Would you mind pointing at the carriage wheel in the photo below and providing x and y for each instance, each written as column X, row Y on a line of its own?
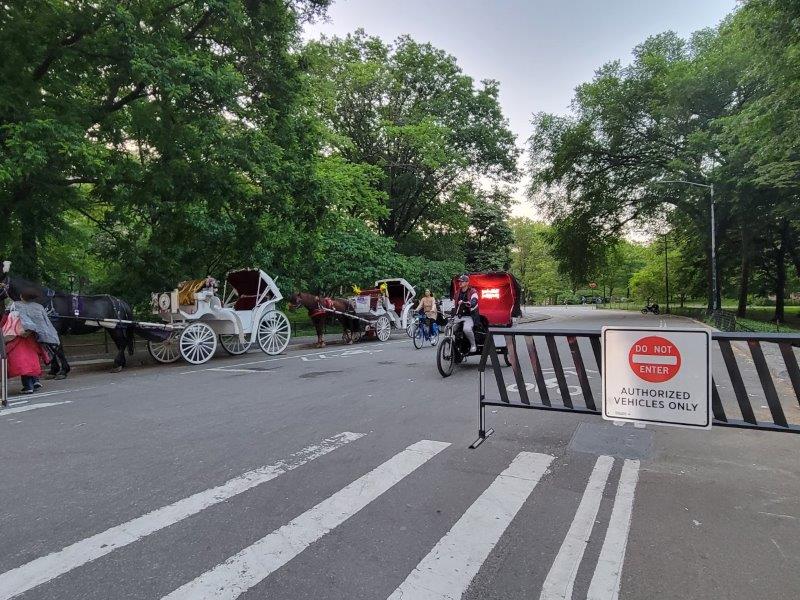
column 383, row 328
column 274, row 332
column 165, row 352
column 198, row 342
column 445, row 357
column 233, row 345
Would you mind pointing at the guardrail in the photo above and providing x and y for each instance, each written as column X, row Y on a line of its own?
column 729, row 410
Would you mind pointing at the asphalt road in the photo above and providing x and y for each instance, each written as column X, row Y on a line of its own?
column 345, row 474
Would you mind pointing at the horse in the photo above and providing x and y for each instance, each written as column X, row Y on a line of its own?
column 69, row 313
column 315, row 306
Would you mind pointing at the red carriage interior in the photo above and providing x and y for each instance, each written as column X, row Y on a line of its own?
column 249, row 286
column 498, row 296
column 397, row 296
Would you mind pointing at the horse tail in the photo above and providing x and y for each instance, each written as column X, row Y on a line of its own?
column 131, row 340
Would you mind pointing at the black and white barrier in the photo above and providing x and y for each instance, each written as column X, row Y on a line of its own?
column 755, row 381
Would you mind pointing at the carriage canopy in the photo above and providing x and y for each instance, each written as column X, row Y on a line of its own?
column 400, row 292
column 249, row 288
column 498, row 296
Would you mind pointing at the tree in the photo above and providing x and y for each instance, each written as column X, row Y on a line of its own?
column 407, row 109
column 174, row 128
column 533, row 262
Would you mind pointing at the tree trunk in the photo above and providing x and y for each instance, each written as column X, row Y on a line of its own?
column 744, row 277
column 780, row 276
column 28, row 264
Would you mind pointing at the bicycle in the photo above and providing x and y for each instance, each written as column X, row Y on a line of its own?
column 422, row 334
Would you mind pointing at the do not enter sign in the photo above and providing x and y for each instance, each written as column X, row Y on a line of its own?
column 654, row 359
column 657, row 376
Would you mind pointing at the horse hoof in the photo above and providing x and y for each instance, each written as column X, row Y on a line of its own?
column 59, row 377
column 116, row 369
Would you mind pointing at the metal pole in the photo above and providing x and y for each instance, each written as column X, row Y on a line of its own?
column 666, row 271
column 3, row 374
column 714, row 303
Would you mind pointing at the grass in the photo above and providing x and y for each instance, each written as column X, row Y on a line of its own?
column 301, row 324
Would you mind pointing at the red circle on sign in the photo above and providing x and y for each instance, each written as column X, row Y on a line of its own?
column 654, row 359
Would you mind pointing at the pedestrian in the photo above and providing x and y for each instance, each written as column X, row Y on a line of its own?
column 24, row 327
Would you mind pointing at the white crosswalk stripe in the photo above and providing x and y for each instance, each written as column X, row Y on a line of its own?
column 448, row 569
column 450, row 566
column 606, row 580
column 45, row 568
column 253, row 564
column 561, row 578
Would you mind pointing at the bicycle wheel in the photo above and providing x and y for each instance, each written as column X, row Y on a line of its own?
column 445, row 359
column 419, row 336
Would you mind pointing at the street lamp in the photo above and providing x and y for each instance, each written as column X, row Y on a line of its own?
column 710, row 186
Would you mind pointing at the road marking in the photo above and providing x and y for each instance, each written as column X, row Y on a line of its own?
column 266, row 360
column 19, row 409
column 45, row 568
column 449, row 567
column 253, row 564
column 225, row 370
column 28, row 397
column 606, row 579
column 561, row 578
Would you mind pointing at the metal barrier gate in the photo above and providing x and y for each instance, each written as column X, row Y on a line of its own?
column 778, row 398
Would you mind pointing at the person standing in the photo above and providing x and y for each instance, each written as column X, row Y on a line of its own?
column 26, row 325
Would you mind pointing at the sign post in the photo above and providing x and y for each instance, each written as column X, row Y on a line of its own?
column 660, row 376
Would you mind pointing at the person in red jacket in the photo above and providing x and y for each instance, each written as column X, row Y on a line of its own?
column 24, row 352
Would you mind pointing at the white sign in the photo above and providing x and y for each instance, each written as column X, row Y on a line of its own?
column 362, row 304
column 658, row 376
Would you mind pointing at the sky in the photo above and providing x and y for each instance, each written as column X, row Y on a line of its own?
column 539, row 50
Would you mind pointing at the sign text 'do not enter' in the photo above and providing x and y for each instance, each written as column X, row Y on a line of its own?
column 654, row 359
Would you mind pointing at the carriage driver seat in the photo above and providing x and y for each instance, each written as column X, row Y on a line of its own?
column 245, row 302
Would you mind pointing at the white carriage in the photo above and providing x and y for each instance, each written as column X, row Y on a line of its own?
column 198, row 318
column 388, row 305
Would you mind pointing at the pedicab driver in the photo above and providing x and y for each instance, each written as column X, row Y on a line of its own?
column 467, row 309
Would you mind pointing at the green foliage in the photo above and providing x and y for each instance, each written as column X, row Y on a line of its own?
column 408, row 110
column 534, row 264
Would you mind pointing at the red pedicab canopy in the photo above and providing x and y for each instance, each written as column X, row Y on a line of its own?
column 498, row 296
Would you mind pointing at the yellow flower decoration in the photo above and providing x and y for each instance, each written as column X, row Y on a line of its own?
column 356, row 290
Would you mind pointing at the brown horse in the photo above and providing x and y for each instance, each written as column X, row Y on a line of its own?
column 316, row 306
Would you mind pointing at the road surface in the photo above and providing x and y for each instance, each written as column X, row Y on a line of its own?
column 345, row 474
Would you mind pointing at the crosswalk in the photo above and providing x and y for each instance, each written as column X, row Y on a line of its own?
column 444, row 573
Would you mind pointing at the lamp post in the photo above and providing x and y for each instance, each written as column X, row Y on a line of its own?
column 709, row 186
column 666, row 271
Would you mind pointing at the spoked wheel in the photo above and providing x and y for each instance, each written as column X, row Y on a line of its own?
column 233, row 345
column 383, row 328
column 198, row 342
column 435, row 337
column 274, row 332
column 165, row 352
column 419, row 336
column 410, row 329
column 445, row 359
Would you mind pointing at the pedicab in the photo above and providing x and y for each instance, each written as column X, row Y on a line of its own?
column 197, row 318
column 499, row 296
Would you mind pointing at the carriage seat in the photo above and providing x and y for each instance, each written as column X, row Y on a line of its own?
column 245, row 302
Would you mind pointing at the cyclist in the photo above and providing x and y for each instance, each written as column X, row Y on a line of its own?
column 467, row 309
column 427, row 306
